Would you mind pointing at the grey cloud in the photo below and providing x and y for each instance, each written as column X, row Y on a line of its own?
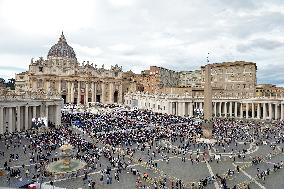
column 271, row 73
column 215, row 26
column 259, row 44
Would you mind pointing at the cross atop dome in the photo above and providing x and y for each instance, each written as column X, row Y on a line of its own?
column 62, row 38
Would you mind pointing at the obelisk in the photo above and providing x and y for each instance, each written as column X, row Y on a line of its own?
column 207, row 123
column 207, row 93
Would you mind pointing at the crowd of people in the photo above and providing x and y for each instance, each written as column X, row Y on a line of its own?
column 112, row 142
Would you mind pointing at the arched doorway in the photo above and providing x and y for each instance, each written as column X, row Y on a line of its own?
column 115, row 97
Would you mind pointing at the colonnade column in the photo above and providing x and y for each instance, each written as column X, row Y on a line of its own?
column 236, row 109
column 247, row 110
column 93, row 91
column 215, row 109
column 26, row 117
column 231, row 109
column 120, row 98
column 111, row 100
column 276, row 111
column 72, row 93
column 87, row 93
column 281, row 111
column 68, row 98
column 170, row 110
column 10, row 119
column 1, row 121
column 19, row 118
column 59, row 87
column 57, row 116
column 252, row 111
column 103, row 93
column 264, row 111
column 270, row 110
column 258, row 111
column 241, row 110
column 46, row 113
column 79, row 93
column 182, row 108
column 225, row 109
column 220, row 109
column 34, row 111
column 200, row 105
column 190, row 109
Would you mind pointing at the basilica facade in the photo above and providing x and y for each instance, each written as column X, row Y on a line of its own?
column 77, row 83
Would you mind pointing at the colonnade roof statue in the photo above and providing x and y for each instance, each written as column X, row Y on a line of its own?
column 61, row 49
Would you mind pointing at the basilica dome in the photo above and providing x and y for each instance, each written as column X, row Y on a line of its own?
column 61, row 49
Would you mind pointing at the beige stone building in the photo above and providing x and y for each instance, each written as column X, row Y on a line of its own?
column 75, row 82
column 156, row 78
column 190, row 78
column 229, row 79
column 237, row 79
column 268, row 90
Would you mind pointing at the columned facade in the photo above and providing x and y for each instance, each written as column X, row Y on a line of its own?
column 255, row 108
column 17, row 114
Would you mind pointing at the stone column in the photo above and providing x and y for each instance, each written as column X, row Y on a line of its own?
column 103, row 93
column 241, row 110
column 10, row 120
column 26, row 117
column 111, row 100
column 247, row 110
column 120, row 98
column 200, row 106
column 225, row 109
column 59, row 87
column 34, row 111
column 270, row 110
column 177, row 110
column 220, row 109
column 87, row 93
column 170, row 111
column 264, row 111
column 190, row 109
column 58, row 116
column 236, row 109
column 182, row 108
column 79, row 92
column 68, row 96
column 93, row 92
column 46, row 113
column 276, row 111
column 215, row 109
column 1, row 121
column 252, row 110
column 281, row 111
column 231, row 109
column 72, row 93
column 258, row 111
column 19, row 118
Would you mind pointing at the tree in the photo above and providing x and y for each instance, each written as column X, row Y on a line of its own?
column 2, row 81
column 11, row 83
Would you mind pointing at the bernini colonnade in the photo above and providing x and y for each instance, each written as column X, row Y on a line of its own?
column 254, row 108
column 17, row 114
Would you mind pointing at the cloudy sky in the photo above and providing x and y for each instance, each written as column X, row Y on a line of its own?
column 135, row 34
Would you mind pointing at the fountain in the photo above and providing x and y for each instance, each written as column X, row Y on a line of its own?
column 66, row 164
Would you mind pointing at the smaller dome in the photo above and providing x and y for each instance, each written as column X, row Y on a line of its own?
column 61, row 49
